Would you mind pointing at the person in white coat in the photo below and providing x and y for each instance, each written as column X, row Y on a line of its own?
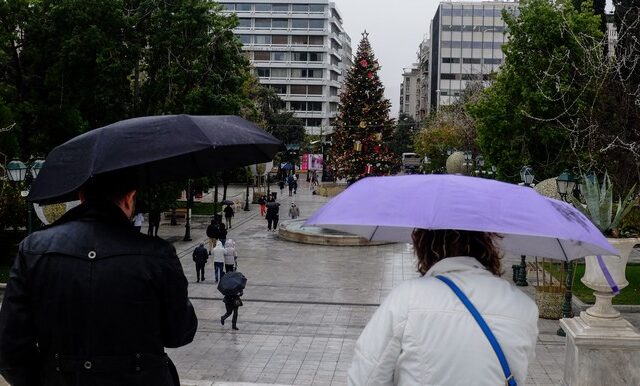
column 422, row 334
column 230, row 255
column 218, row 260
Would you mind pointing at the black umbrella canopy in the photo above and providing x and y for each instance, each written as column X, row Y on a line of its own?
column 151, row 150
column 232, row 283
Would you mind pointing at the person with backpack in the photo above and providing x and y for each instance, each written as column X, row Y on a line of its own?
column 213, row 233
column 228, row 214
column 200, row 257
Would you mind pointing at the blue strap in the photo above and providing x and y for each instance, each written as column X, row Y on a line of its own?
column 509, row 380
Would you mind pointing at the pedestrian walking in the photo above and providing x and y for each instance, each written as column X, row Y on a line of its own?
column 90, row 327
column 154, row 222
column 281, row 186
column 228, row 215
column 222, row 229
column 262, row 201
column 218, row 261
column 137, row 221
column 200, row 257
column 213, row 233
column 273, row 209
column 294, row 211
column 295, row 185
column 232, row 303
column 457, row 267
column 290, row 181
column 230, row 255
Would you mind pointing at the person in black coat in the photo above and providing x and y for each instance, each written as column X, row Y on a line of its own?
column 213, row 233
column 231, row 303
column 273, row 210
column 92, row 302
column 200, row 257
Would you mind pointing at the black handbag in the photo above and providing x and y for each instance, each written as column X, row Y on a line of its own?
column 238, row 302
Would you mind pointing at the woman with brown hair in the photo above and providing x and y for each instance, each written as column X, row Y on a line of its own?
column 425, row 334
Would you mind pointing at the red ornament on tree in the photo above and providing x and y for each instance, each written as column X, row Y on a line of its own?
column 364, row 63
column 370, row 75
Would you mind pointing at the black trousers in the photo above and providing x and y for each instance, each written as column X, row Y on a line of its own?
column 228, row 267
column 272, row 221
column 200, row 271
column 231, row 308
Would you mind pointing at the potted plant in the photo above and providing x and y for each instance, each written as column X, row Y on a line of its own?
column 599, row 207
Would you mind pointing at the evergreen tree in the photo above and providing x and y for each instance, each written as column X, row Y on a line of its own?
column 363, row 125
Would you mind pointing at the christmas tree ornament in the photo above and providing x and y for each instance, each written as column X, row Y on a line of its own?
column 363, row 124
column 364, row 63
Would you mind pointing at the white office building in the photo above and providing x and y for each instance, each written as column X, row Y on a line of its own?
column 300, row 49
column 410, row 92
column 466, row 41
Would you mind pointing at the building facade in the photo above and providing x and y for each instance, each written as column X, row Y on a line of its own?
column 466, row 45
column 300, row 49
column 410, row 92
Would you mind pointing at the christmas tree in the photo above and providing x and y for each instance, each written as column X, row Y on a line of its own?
column 362, row 126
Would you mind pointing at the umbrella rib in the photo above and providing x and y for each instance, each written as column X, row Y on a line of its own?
column 563, row 252
column 374, row 233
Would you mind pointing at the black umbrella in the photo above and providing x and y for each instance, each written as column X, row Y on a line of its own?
column 232, row 283
column 227, row 202
column 151, row 150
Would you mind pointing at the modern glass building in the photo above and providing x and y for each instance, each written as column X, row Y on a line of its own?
column 466, row 45
column 300, row 49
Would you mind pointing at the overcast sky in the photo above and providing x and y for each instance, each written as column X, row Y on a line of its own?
column 396, row 28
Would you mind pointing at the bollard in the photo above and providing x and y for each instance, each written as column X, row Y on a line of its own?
column 516, row 271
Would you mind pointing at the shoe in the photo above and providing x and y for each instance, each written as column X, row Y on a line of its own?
column 222, row 320
column 197, row 281
column 235, row 328
column 202, row 279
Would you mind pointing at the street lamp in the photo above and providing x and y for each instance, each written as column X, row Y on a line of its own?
column 17, row 172
column 187, row 226
column 480, row 164
column 565, row 184
column 526, row 176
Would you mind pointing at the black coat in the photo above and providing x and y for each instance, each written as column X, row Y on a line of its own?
column 200, row 255
column 89, row 291
column 272, row 211
column 213, row 231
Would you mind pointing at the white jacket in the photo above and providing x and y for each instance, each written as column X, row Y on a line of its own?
column 422, row 334
column 230, row 253
column 218, row 252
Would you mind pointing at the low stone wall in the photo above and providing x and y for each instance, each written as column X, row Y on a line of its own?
column 292, row 230
column 330, row 189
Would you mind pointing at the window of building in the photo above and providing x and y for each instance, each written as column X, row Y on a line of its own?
column 314, row 106
column 300, row 39
column 315, row 56
column 300, row 8
column 245, row 39
column 279, row 72
column 446, row 76
column 467, row 11
column 492, row 61
column 280, row 39
column 315, row 122
column 314, row 90
column 471, row 60
column 263, row 39
column 243, row 7
column 263, row 24
column 316, row 40
column 260, row 7
column 262, row 56
column 333, row 91
column 334, row 76
column 316, row 23
column 279, row 56
column 299, row 56
column 244, row 23
column 333, row 107
column 229, row 7
column 298, row 89
column 450, row 60
column 280, row 23
column 280, row 8
column 300, row 23
column 298, row 105
column 316, row 8
column 279, row 88
column 263, row 72
column 314, row 73
column 335, row 61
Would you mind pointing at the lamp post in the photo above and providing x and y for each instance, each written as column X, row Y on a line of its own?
column 565, row 183
column 246, row 196
column 480, row 163
column 187, row 226
column 17, row 172
column 526, row 176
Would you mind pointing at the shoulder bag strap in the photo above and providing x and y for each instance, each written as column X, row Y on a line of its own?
column 509, row 379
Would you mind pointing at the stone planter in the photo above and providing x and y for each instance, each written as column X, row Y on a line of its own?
column 595, row 279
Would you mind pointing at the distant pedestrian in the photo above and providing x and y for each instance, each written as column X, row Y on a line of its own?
column 290, row 182
column 222, row 230
column 230, row 255
column 273, row 209
column 200, row 257
column 281, row 186
column 228, row 214
column 295, row 186
column 213, row 233
column 137, row 221
column 218, row 261
column 294, row 211
column 232, row 303
column 262, row 201
column 154, row 222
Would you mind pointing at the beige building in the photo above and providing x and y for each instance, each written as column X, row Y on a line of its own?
column 410, row 92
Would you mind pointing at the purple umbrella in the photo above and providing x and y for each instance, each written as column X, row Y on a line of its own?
column 389, row 208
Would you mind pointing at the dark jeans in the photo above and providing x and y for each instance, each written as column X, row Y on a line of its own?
column 153, row 229
column 218, row 270
column 272, row 221
column 200, row 271
column 229, row 267
column 137, row 228
column 231, row 308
